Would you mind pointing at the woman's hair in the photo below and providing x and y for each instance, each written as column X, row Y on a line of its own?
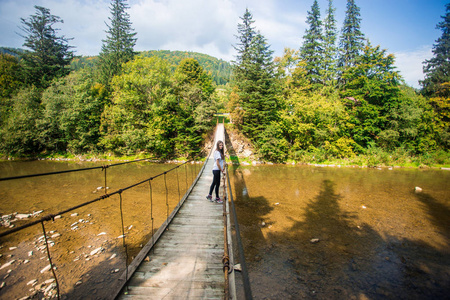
column 222, row 155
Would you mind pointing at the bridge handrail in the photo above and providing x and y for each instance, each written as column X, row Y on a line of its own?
column 69, row 171
column 107, row 195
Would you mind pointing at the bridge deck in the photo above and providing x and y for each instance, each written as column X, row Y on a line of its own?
column 186, row 261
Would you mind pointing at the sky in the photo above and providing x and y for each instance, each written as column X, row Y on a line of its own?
column 405, row 28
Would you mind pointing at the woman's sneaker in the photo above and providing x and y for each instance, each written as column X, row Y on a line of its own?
column 209, row 197
column 218, row 200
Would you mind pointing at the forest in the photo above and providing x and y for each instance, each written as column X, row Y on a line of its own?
column 335, row 99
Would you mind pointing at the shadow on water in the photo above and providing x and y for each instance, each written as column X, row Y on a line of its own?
column 439, row 214
column 351, row 260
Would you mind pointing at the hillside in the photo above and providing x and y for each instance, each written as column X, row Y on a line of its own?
column 219, row 69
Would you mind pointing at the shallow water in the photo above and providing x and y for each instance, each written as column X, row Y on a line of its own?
column 377, row 238
column 81, row 274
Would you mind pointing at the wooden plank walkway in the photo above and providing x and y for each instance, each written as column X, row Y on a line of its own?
column 186, row 261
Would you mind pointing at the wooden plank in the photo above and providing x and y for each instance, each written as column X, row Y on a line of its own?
column 185, row 261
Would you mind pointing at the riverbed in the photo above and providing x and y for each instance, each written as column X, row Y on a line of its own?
column 308, row 232
column 344, row 233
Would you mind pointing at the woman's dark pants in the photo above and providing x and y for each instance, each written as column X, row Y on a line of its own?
column 215, row 183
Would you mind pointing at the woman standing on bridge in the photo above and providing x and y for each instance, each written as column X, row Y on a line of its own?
column 219, row 158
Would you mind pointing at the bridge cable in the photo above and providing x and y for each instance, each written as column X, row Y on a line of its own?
column 50, row 260
column 167, row 198
column 69, row 171
column 123, row 240
column 245, row 278
column 151, row 210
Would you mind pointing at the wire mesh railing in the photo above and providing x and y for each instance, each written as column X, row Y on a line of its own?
column 189, row 177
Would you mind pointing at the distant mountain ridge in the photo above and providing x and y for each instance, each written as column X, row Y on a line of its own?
column 218, row 69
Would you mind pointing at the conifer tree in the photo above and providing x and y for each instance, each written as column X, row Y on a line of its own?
column 118, row 48
column 255, row 81
column 329, row 45
column 50, row 54
column 437, row 69
column 312, row 49
column 351, row 43
column 246, row 33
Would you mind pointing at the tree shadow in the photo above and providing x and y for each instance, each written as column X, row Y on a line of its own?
column 439, row 214
column 329, row 254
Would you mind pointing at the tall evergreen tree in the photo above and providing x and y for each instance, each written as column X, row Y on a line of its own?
column 351, row 43
column 437, row 69
column 118, row 48
column 312, row 49
column 329, row 45
column 50, row 54
column 255, row 83
column 246, row 34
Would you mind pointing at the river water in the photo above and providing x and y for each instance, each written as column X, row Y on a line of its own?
column 344, row 233
column 308, row 232
column 76, row 237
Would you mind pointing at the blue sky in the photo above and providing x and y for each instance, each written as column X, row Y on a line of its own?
column 406, row 28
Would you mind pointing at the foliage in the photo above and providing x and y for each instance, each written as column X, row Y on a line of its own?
column 10, row 75
column 312, row 51
column 256, row 103
column 154, row 111
column 72, row 107
column 218, row 69
column 50, row 54
column 118, row 48
column 352, row 39
column 436, row 69
column 19, row 134
column 329, row 46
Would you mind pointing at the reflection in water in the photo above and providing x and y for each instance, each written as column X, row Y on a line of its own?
column 377, row 238
column 75, row 238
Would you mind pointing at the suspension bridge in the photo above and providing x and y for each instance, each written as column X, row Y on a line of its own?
column 189, row 256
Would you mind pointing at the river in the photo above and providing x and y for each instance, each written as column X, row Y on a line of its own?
column 308, row 232
column 344, row 233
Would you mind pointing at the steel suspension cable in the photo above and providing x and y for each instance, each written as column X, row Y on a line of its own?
column 69, row 171
column 167, row 196
column 151, row 208
column 123, row 239
column 50, row 260
column 245, row 278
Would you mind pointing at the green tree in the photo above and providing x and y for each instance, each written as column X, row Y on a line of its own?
column 20, row 134
column 436, row 84
column 72, row 107
column 255, row 103
column 351, row 42
column 118, row 48
column 372, row 89
column 329, row 46
column 50, row 54
column 312, row 51
column 437, row 69
column 10, row 75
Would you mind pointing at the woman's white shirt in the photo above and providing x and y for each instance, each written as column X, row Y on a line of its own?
column 217, row 156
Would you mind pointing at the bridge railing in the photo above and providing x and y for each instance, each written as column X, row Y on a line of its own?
column 51, row 217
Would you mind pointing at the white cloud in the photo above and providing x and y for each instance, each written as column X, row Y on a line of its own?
column 409, row 63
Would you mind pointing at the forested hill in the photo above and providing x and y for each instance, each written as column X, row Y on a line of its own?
column 219, row 69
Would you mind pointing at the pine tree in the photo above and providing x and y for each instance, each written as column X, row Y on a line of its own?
column 437, row 69
column 312, row 50
column 50, row 54
column 118, row 48
column 329, row 46
column 255, row 83
column 246, row 34
column 352, row 39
